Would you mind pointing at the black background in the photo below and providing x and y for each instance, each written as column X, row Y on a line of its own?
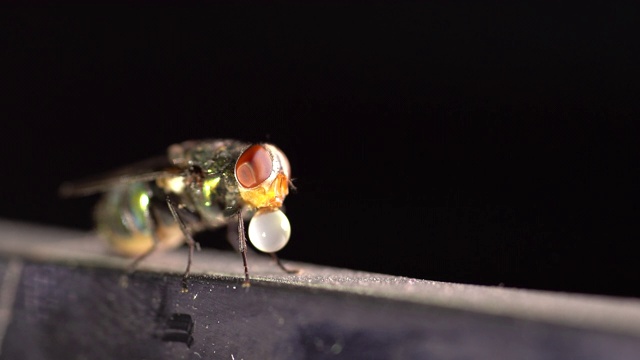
column 478, row 142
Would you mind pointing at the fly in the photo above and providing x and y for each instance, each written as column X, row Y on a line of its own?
column 158, row 204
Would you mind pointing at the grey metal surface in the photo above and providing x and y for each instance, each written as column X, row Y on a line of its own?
column 67, row 301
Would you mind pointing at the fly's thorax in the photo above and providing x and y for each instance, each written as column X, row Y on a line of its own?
column 212, row 198
column 216, row 199
column 213, row 188
column 123, row 218
column 213, row 157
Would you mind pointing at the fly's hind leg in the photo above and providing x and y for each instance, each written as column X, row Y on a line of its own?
column 188, row 238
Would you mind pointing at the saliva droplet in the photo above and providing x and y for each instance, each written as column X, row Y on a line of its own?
column 269, row 230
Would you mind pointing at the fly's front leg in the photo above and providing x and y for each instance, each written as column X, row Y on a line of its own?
column 242, row 247
column 188, row 238
column 282, row 266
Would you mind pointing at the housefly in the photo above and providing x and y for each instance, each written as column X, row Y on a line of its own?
column 161, row 202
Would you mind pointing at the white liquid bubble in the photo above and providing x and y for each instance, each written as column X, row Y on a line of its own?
column 269, row 230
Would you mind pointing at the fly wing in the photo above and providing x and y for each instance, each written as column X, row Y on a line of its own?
column 146, row 170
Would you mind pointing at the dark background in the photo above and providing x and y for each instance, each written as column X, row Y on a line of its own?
column 478, row 142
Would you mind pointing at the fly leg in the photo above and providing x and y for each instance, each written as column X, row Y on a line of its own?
column 282, row 266
column 242, row 247
column 188, row 238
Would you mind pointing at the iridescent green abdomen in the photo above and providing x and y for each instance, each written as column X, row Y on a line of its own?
column 124, row 217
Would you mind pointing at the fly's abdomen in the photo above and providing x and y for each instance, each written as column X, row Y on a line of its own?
column 127, row 217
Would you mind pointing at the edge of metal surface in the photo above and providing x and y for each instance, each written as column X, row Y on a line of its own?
column 606, row 313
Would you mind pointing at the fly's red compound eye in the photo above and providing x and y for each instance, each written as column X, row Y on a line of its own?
column 254, row 166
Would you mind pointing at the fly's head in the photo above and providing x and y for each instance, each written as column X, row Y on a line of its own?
column 263, row 174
